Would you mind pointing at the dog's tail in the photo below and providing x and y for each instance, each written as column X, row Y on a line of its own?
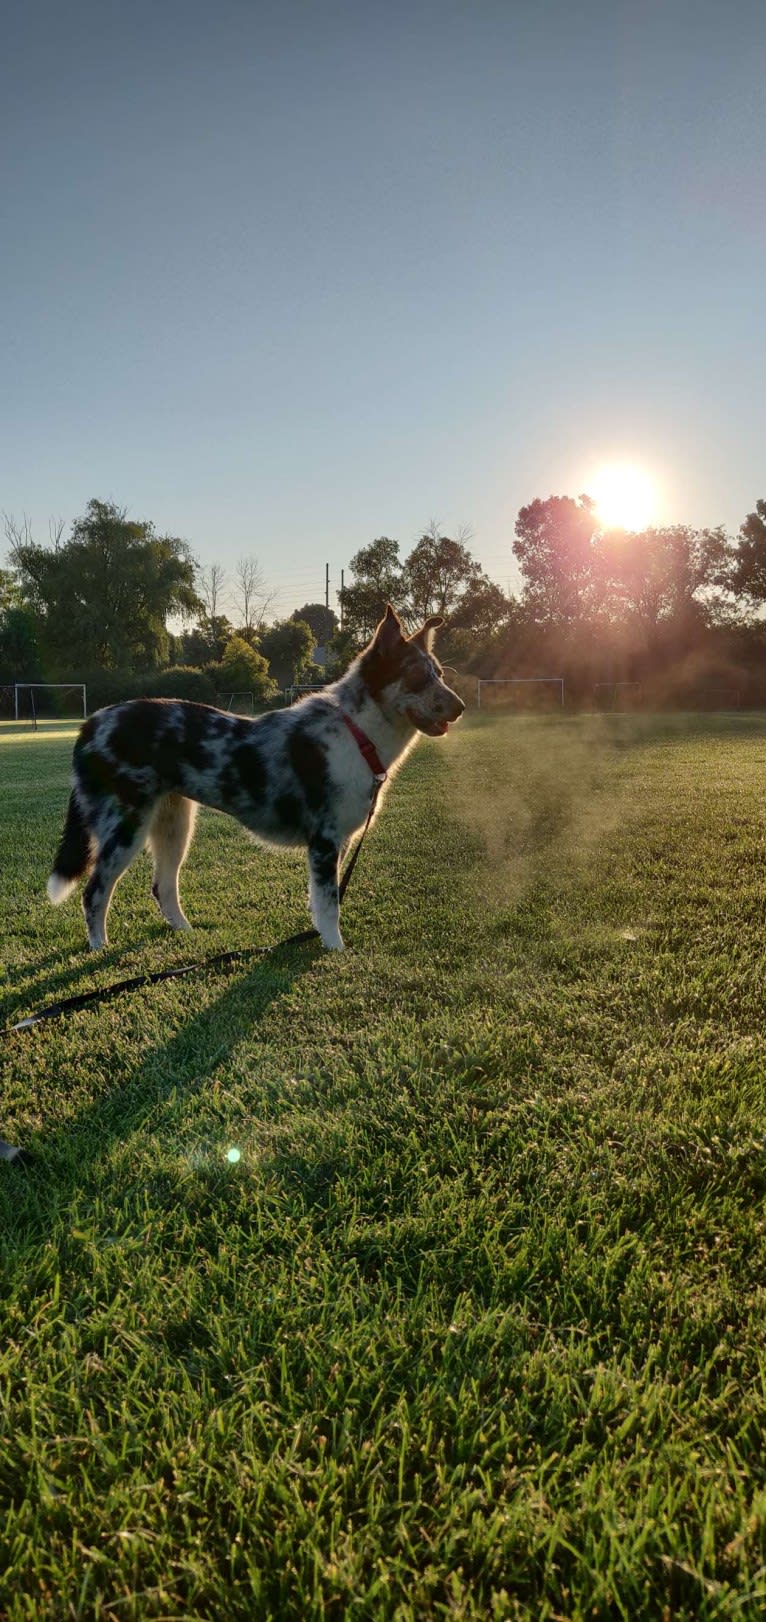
column 73, row 855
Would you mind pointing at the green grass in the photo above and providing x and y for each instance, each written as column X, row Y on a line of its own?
column 476, row 1326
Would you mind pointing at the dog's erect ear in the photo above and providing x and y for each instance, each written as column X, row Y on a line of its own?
column 389, row 632
column 425, row 636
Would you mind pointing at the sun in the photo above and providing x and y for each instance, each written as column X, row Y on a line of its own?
column 625, row 496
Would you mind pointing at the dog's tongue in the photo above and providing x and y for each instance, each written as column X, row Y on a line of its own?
column 440, row 727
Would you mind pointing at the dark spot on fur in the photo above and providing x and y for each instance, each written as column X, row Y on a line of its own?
column 229, row 785
column 252, row 771
column 289, row 812
column 135, row 736
column 379, row 669
column 196, row 731
column 416, row 675
column 131, row 790
column 309, row 762
column 324, row 860
column 123, row 835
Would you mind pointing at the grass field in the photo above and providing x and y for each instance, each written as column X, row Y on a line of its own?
column 476, row 1326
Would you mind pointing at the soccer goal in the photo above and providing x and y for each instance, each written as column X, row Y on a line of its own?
column 617, row 695
column 240, row 703
column 37, row 701
column 292, row 694
column 520, row 692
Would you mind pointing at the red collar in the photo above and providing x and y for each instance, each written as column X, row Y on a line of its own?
column 366, row 748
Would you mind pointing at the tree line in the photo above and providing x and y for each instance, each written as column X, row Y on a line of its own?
column 675, row 609
column 97, row 606
column 672, row 607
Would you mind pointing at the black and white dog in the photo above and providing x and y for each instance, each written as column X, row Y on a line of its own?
column 300, row 776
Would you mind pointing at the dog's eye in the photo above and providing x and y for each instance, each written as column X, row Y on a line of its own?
column 417, row 678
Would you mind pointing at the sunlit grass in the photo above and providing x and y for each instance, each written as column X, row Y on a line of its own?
column 474, row 1325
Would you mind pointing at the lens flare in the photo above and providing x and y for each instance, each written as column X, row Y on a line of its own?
column 233, row 1155
column 625, row 496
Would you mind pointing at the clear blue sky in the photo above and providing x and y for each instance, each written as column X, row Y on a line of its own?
column 284, row 277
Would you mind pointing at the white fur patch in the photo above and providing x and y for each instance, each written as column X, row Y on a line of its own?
column 59, row 888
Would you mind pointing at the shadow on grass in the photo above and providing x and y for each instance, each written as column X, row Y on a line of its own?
column 58, row 1164
column 30, row 987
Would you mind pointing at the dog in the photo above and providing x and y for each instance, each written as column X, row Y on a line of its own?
column 299, row 776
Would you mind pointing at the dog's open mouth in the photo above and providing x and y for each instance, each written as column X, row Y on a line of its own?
column 434, row 729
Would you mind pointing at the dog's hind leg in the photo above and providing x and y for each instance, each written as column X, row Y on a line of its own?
column 170, row 835
column 121, row 835
column 324, row 902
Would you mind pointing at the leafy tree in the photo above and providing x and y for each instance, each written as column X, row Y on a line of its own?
column 322, row 620
column 10, row 595
column 553, row 550
column 436, row 575
column 377, row 581
column 288, row 646
column 483, row 608
column 243, row 670
column 659, row 575
column 748, row 572
column 19, row 644
column 104, row 596
column 204, row 644
column 19, row 632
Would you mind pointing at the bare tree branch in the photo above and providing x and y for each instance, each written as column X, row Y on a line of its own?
column 251, row 598
column 212, row 583
column 17, row 533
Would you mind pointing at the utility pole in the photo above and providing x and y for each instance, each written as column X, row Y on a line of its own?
column 327, row 585
column 342, row 589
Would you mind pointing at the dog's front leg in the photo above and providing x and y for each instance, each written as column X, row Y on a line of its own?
column 324, row 902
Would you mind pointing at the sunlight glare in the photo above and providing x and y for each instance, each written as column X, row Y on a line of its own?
column 625, row 496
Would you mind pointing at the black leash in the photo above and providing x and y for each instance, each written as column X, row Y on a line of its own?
column 85, row 999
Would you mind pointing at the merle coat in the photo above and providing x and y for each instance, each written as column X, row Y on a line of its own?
column 292, row 777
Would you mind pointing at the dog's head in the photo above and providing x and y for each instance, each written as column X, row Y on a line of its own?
column 406, row 679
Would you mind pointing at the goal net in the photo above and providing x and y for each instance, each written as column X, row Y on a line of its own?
column 40, row 701
column 520, row 693
column 239, row 703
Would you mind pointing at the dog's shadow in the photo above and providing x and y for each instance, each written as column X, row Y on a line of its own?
column 57, row 1164
column 30, row 986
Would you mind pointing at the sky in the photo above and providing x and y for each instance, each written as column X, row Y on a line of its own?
column 283, row 277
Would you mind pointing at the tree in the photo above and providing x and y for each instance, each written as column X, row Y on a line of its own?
column 19, row 646
column 663, row 575
column 483, row 608
column 251, row 598
column 288, row 646
column 212, row 586
column 377, row 581
column 437, row 574
column 103, row 597
column 747, row 577
column 19, row 628
column 553, row 550
column 322, row 620
column 243, row 670
column 205, row 642
column 10, row 595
